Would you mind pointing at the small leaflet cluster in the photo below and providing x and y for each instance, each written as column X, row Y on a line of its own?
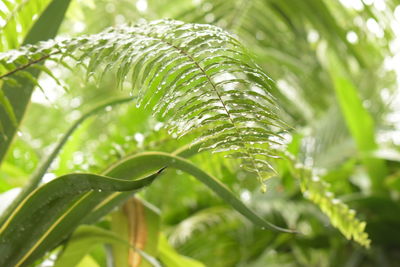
column 340, row 215
column 198, row 76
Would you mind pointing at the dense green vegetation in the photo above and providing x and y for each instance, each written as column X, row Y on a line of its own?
column 199, row 133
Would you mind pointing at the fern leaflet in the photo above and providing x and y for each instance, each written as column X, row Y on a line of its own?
column 16, row 18
column 340, row 215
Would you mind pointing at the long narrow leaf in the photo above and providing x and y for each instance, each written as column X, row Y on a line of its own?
column 150, row 161
column 358, row 120
column 53, row 211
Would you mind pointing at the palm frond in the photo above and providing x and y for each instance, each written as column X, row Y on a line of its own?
column 196, row 75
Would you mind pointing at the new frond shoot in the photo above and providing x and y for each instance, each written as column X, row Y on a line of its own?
column 197, row 76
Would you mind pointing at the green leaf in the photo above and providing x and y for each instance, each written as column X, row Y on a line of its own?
column 150, row 161
column 85, row 239
column 171, row 258
column 51, row 212
column 5, row 103
column 87, row 261
column 358, row 120
column 393, row 183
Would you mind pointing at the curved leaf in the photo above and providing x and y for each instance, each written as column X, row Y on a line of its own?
column 150, row 161
column 51, row 212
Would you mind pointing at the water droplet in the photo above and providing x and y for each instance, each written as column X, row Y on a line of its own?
column 263, row 188
column 139, row 137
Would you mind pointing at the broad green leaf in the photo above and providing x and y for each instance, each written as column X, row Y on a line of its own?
column 51, row 212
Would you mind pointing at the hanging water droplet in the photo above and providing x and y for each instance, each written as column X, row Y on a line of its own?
column 263, row 188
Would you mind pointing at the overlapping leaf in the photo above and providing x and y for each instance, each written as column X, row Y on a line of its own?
column 198, row 76
column 53, row 211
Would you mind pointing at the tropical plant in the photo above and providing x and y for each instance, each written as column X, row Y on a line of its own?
column 192, row 97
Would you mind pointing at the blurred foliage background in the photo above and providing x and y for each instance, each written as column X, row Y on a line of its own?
column 336, row 65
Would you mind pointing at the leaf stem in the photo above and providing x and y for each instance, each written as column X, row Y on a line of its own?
column 25, row 66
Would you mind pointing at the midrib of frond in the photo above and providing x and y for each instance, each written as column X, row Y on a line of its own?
column 214, row 87
column 27, row 65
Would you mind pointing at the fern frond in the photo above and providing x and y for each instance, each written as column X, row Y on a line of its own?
column 226, row 14
column 340, row 215
column 16, row 17
column 202, row 221
column 196, row 75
